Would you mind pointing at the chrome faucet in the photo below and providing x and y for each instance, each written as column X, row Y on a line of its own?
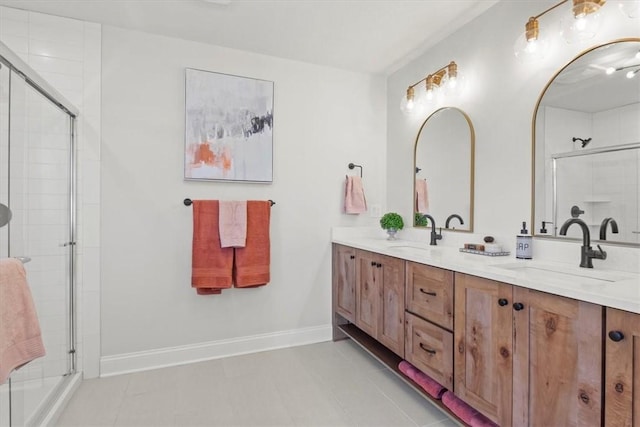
column 603, row 227
column 452, row 216
column 586, row 253
column 434, row 236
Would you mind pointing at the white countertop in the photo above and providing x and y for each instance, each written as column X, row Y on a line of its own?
column 611, row 288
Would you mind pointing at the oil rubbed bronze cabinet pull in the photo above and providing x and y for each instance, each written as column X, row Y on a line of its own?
column 616, row 336
column 517, row 306
column 433, row 294
column 428, row 350
column 373, row 263
column 502, row 302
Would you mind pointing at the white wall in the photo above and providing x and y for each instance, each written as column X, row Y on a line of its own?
column 501, row 94
column 324, row 118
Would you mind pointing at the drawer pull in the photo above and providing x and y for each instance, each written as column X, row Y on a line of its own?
column 433, row 294
column 502, row 302
column 352, row 257
column 517, row 306
column 428, row 350
column 373, row 263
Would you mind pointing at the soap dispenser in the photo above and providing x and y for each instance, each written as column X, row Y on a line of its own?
column 524, row 243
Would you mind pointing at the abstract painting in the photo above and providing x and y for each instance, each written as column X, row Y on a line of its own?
column 228, row 128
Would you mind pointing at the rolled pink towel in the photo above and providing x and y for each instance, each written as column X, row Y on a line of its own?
column 466, row 413
column 428, row 384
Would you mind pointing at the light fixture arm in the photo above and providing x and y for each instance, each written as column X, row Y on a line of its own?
column 435, row 78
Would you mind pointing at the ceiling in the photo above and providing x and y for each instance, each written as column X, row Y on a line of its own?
column 371, row 36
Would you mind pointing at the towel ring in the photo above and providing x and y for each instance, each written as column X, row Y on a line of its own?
column 352, row 165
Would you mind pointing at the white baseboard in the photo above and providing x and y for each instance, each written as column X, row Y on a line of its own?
column 172, row 356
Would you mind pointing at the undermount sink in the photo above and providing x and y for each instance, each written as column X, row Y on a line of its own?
column 557, row 271
column 404, row 247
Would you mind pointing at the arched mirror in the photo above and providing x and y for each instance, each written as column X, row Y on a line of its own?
column 586, row 145
column 444, row 171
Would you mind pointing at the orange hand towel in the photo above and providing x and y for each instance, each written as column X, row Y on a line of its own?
column 20, row 336
column 233, row 224
column 211, row 265
column 354, row 200
column 422, row 196
column 252, row 263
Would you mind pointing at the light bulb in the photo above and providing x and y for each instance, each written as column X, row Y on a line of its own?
column 630, row 8
column 532, row 44
column 581, row 23
column 610, row 70
column 631, row 74
column 430, row 95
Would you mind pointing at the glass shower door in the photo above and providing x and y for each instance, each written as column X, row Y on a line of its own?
column 35, row 183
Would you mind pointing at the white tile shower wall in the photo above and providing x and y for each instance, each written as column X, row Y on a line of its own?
column 67, row 53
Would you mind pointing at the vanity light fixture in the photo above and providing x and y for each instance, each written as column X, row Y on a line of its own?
column 581, row 22
column 447, row 77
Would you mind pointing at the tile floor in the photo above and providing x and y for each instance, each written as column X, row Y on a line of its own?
column 325, row 384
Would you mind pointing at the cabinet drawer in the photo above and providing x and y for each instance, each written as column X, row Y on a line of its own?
column 429, row 293
column 430, row 349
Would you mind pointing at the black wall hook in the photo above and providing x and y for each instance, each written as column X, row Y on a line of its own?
column 583, row 141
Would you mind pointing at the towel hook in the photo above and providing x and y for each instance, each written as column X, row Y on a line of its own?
column 352, row 165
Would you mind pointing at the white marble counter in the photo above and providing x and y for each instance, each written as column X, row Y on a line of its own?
column 611, row 288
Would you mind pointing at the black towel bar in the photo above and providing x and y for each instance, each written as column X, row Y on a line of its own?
column 188, row 202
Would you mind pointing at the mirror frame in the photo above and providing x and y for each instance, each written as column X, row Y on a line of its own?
column 533, row 146
column 472, row 142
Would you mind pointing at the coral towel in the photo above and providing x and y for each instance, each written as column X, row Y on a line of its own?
column 211, row 265
column 252, row 262
column 427, row 383
column 466, row 413
column 422, row 196
column 233, row 224
column 20, row 336
column 354, row 200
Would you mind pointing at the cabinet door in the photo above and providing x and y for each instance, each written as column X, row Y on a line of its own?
column 391, row 319
column 368, row 278
column 622, row 369
column 430, row 293
column 557, row 360
column 344, row 282
column 483, row 339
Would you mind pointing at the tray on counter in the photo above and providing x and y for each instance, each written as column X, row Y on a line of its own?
column 473, row 251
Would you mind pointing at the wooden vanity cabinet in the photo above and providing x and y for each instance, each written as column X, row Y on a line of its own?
column 429, row 321
column 622, row 369
column 525, row 357
column 429, row 293
column 557, row 374
column 483, row 346
column 344, row 282
column 380, row 298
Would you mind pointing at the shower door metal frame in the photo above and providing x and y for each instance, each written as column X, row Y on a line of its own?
column 32, row 78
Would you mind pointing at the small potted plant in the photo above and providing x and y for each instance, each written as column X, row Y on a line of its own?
column 421, row 220
column 392, row 222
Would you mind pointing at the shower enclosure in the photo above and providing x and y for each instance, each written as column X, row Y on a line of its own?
column 37, row 187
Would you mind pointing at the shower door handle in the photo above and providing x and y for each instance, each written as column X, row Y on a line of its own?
column 65, row 244
column 5, row 215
